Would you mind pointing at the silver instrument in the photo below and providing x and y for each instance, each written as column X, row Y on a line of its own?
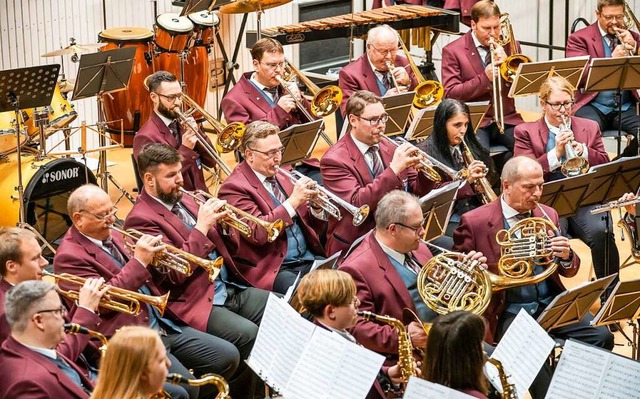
column 574, row 165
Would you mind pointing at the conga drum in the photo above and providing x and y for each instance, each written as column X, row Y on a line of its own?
column 132, row 105
column 196, row 67
column 203, row 23
column 172, row 32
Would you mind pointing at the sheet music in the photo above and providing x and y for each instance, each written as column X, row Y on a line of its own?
column 522, row 351
column 586, row 372
column 417, row 388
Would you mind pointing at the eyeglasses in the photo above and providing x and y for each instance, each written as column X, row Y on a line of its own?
column 273, row 65
column 619, row 17
column 376, row 120
column 415, row 229
column 61, row 311
column 270, row 154
column 556, row 107
column 171, row 98
column 113, row 212
column 385, row 52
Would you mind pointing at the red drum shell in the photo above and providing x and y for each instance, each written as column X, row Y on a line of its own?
column 196, row 75
column 172, row 32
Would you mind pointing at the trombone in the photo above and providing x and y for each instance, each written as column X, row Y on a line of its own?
column 628, row 22
column 326, row 199
column 174, row 258
column 116, row 299
column 237, row 217
column 428, row 92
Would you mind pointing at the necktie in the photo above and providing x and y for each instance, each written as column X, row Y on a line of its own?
column 376, row 163
column 181, row 214
column 411, row 263
column 68, row 370
column 457, row 158
column 275, row 94
column 523, row 215
column 113, row 251
column 174, row 127
column 275, row 189
column 613, row 42
column 385, row 79
column 487, row 57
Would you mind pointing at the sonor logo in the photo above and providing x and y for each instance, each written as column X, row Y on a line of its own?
column 59, row 175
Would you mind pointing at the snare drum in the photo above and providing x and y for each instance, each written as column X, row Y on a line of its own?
column 8, row 139
column 61, row 112
column 47, row 185
column 204, row 22
column 131, row 105
column 172, row 32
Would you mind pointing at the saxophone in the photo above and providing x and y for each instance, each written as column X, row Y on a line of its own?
column 74, row 328
column 481, row 185
column 218, row 381
column 405, row 348
column 508, row 389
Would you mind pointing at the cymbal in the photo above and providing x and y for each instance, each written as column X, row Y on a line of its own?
column 66, row 85
column 75, row 49
column 245, row 6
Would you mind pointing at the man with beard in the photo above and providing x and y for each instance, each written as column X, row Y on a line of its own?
column 164, row 127
column 221, row 307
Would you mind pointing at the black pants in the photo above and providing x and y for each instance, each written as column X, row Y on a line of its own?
column 237, row 322
column 611, row 121
column 203, row 353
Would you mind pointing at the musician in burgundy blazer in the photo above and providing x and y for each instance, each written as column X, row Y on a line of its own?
column 26, row 374
column 378, row 3
column 259, row 262
column 346, row 173
column 156, row 130
column 463, row 6
column 359, row 74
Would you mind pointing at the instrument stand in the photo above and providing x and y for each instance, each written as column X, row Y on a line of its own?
column 41, row 120
column 27, row 88
column 100, row 74
column 233, row 64
column 436, row 209
column 623, row 304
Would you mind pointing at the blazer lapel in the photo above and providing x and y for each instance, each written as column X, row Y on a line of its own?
column 543, row 133
column 97, row 253
column 164, row 129
column 472, row 54
column 253, row 180
column 359, row 161
column 253, row 94
column 391, row 274
column 369, row 76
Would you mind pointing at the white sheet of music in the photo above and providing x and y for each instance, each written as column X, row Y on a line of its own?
column 522, row 351
column 417, row 388
column 586, row 372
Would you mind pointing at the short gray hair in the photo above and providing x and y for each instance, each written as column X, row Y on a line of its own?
column 22, row 300
column 374, row 33
column 393, row 207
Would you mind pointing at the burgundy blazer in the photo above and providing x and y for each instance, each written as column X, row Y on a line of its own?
column 464, row 79
column 477, row 231
column 191, row 297
column 587, row 41
column 256, row 260
column 244, row 103
column 26, row 374
column 358, row 75
column 79, row 256
column 380, row 290
column 378, row 3
column 345, row 173
column 464, row 6
column 532, row 137
column 73, row 344
column 155, row 131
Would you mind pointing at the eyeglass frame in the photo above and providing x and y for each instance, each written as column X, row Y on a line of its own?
column 415, row 229
column 270, row 154
column 113, row 212
column 61, row 311
column 375, row 121
column 384, row 54
column 619, row 17
column 556, row 107
column 274, row 66
column 171, row 99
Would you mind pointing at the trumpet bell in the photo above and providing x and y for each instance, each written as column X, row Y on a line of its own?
column 509, row 67
column 574, row 166
column 428, row 93
column 326, row 101
column 361, row 215
column 230, row 138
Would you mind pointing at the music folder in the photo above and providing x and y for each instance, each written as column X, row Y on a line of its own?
column 436, row 208
column 299, row 140
column 398, row 107
column 530, row 75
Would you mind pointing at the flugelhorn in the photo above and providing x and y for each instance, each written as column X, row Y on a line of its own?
column 173, row 258
column 574, row 165
column 220, row 383
column 451, row 282
column 237, row 217
column 74, row 328
column 427, row 162
column 116, row 299
column 481, row 185
column 329, row 202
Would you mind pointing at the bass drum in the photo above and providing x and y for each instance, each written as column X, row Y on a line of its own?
column 47, row 186
column 132, row 105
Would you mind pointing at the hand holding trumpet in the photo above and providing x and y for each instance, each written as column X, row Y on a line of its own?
column 146, row 249
column 476, row 170
column 303, row 191
column 404, row 157
column 212, row 211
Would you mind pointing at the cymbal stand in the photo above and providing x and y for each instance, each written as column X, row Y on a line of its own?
column 41, row 121
column 15, row 102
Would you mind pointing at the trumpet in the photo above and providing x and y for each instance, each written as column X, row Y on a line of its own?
column 211, row 151
column 116, row 299
column 427, row 163
column 326, row 199
column 220, row 383
column 74, row 328
column 173, row 258
column 237, row 216
column 482, row 185
column 574, row 165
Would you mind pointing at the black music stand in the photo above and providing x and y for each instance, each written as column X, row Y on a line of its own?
column 613, row 179
column 615, row 74
column 398, row 107
column 25, row 88
column 566, row 195
column 299, row 140
column 436, row 209
column 571, row 305
column 530, row 75
column 99, row 74
column 623, row 304
column 421, row 126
